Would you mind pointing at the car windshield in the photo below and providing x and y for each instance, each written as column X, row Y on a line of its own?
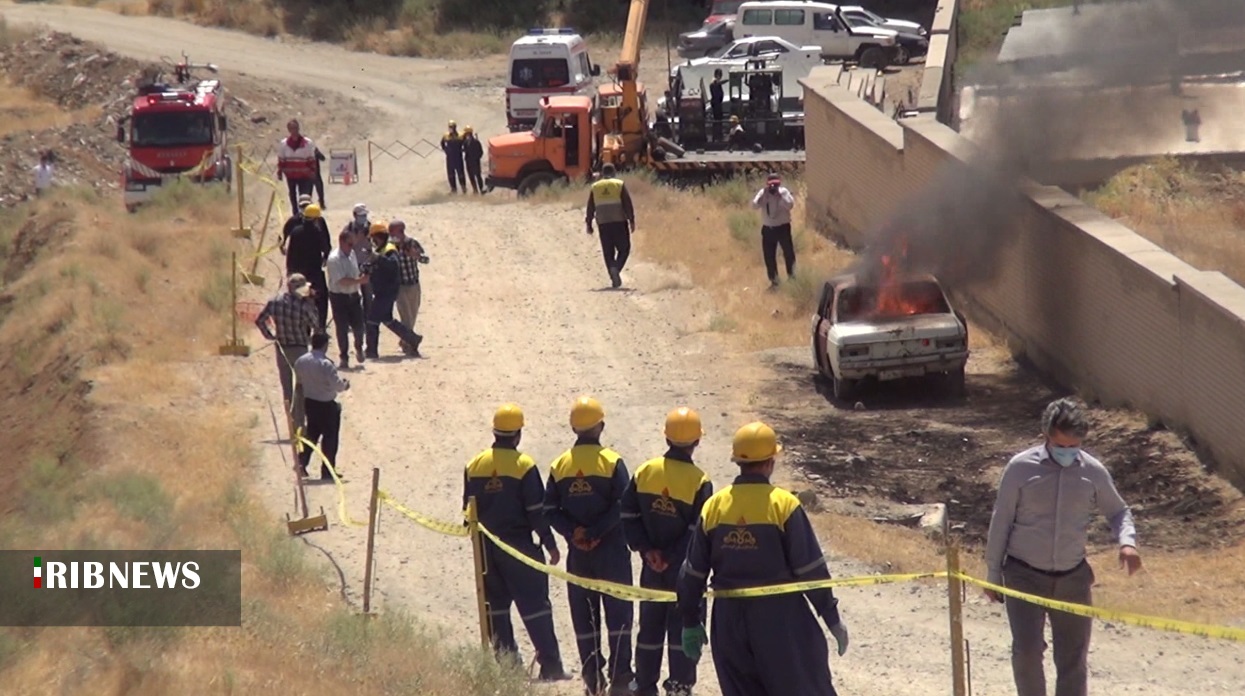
column 877, row 19
column 856, row 21
column 532, row 73
column 172, row 129
column 907, row 299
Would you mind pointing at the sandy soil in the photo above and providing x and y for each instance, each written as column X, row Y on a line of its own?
column 515, row 309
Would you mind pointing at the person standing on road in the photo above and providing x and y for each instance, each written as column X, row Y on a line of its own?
column 452, row 146
column 385, row 278
column 716, row 97
column 344, row 297
column 775, row 203
column 509, row 503
column 1036, row 545
column 321, row 384
column 361, row 227
column 295, row 320
column 754, row 534
column 410, row 255
column 309, row 248
column 659, row 512
column 296, row 162
column 583, row 499
column 473, row 154
column 610, row 204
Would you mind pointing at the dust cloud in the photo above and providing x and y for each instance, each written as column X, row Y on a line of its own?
column 957, row 227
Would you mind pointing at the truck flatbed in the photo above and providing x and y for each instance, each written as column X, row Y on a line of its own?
column 739, row 160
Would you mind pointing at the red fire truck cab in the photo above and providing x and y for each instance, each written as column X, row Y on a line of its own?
column 175, row 131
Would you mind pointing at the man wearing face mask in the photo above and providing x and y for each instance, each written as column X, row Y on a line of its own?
column 1037, row 546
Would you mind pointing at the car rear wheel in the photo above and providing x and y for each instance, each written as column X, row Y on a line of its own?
column 901, row 56
column 874, row 58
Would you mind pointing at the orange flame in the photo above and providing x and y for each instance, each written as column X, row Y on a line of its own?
column 891, row 299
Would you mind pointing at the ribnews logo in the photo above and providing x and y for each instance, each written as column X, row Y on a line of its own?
column 140, row 575
column 121, row 588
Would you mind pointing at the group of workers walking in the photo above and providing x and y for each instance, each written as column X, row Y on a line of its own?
column 749, row 534
column 463, row 153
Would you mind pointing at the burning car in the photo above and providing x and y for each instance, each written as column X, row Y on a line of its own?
column 900, row 325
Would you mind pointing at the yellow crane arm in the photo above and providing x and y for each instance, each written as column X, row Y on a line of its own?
column 628, row 67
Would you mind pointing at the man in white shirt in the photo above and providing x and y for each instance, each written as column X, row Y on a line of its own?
column 44, row 172
column 344, row 280
column 775, row 203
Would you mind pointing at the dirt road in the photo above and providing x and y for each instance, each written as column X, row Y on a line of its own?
column 515, row 309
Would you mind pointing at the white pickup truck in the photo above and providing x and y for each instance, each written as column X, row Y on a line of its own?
column 905, row 329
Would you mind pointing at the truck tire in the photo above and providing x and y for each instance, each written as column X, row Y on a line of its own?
column 874, row 57
column 535, row 180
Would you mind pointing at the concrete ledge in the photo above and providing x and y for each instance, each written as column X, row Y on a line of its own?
column 1218, row 291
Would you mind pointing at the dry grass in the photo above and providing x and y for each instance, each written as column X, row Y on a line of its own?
column 91, row 480
column 1196, row 212
column 21, row 111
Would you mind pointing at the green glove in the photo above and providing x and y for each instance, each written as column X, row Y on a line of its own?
column 693, row 640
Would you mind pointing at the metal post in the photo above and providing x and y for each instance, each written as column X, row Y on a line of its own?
column 956, row 606
column 369, row 161
column 241, row 231
column 477, row 550
column 373, row 514
column 234, row 346
column 253, row 277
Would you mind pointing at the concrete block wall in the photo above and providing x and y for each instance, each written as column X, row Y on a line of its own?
column 937, row 81
column 1089, row 301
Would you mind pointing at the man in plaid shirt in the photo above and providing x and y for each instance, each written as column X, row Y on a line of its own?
column 410, row 255
column 295, row 319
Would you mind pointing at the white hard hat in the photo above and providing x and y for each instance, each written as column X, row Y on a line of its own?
column 360, row 209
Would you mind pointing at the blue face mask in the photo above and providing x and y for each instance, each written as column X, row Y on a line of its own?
column 1064, row 456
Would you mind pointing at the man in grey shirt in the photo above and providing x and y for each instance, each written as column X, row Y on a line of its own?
column 321, row 385
column 1037, row 546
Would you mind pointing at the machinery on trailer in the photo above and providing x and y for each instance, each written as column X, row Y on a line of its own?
column 175, row 128
column 574, row 135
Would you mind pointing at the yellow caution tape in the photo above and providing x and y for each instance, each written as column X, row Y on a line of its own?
column 437, row 526
column 1171, row 625
column 644, row 594
column 342, row 513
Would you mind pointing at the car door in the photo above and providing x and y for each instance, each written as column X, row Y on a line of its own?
column 830, row 34
column 821, row 328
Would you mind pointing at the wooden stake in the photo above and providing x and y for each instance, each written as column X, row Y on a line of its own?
column 477, row 549
column 373, row 514
column 959, row 683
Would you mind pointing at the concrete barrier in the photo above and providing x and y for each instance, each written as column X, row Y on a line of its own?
column 938, row 94
column 1087, row 300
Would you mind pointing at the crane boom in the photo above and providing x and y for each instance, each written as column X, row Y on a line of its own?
column 628, row 66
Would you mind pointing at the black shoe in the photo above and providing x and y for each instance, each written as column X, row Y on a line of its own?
column 344, row 364
column 326, row 475
column 302, row 471
column 358, row 354
column 372, row 356
column 415, row 347
column 615, row 277
column 554, row 673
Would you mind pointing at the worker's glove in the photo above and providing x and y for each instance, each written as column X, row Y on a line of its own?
column 694, row 639
column 839, row 631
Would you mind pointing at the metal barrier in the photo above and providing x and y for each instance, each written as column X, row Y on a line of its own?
column 423, row 148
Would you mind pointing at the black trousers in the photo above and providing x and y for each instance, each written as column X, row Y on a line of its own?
column 716, row 108
column 347, row 317
column 324, row 424
column 473, row 175
column 298, row 187
column 771, row 239
column 319, row 186
column 615, row 244
column 453, row 172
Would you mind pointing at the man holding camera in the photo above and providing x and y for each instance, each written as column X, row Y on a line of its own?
column 775, row 203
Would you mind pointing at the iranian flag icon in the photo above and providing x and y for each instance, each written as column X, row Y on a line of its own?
column 38, row 572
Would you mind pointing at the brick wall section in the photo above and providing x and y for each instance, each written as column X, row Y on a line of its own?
column 1089, row 301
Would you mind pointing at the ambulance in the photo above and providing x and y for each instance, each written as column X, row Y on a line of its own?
column 544, row 63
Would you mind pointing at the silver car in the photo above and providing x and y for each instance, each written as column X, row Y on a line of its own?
column 900, row 25
column 707, row 39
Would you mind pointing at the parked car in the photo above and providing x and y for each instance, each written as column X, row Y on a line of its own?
column 907, row 44
column 905, row 328
column 796, row 62
column 707, row 39
column 722, row 9
column 821, row 24
column 877, row 20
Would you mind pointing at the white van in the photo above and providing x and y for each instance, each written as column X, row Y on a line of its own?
column 818, row 24
column 543, row 63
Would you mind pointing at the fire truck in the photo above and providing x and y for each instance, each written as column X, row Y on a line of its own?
column 174, row 129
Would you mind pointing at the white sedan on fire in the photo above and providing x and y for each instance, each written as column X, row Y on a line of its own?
column 899, row 328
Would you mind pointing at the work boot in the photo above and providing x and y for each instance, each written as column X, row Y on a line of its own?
column 358, row 354
column 623, row 688
column 344, row 364
column 415, row 348
column 554, row 672
column 615, row 277
column 326, row 475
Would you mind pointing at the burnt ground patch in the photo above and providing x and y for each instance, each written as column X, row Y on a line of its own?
column 908, row 444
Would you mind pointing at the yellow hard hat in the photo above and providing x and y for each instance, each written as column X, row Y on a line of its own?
column 379, row 228
column 683, row 426
column 586, row 414
column 508, row 419
column 755, row 442
column 312, row 211
column 452, row 124
column 467, row 130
